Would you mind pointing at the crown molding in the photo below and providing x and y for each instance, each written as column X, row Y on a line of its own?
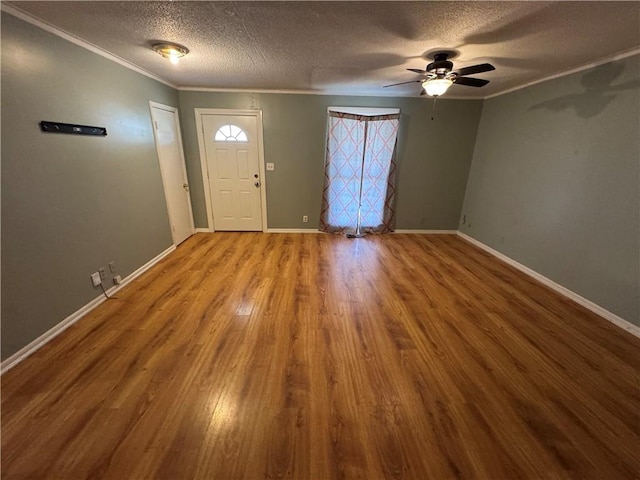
column 16, row 12
column 603, row 61
column 313, row 92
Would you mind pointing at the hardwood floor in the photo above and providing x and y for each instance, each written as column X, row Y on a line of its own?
column 311, row 356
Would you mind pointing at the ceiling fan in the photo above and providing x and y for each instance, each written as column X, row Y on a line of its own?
column 439, row 75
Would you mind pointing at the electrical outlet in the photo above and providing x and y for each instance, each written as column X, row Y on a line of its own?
column 305, row 219
column 271, row 167
column 112, row 267
column 103, row 273
column 95, row 279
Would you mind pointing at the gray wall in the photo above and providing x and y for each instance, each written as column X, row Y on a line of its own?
column 554, row 182
column 72, row 203
column 433, row 155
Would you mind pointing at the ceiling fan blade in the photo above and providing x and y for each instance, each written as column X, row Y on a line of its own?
column 483, row 67
column 470, row 81
column 402, row 83
column 416, row 70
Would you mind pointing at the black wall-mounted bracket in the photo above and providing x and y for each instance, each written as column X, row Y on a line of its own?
column 57, row 127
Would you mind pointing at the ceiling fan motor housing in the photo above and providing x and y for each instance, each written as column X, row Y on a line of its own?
column 440, row 64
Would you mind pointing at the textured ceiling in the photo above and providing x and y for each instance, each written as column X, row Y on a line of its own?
column 348, row 47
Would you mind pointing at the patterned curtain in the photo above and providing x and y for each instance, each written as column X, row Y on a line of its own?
column 360, row 172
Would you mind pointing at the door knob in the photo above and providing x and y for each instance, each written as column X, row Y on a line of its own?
column 185, row 186
column 257, row 184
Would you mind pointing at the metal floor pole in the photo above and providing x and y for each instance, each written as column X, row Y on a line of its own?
column 358, row 233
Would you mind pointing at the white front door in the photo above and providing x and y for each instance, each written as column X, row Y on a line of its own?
column 166, row 129
column 233, row 170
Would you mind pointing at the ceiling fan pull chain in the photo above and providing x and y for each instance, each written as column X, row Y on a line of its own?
column 433, row 108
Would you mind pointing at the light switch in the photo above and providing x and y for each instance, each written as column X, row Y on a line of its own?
column 271, row 166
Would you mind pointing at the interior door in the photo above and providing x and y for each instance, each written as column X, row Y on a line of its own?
column 231, row 148
column 166, row 129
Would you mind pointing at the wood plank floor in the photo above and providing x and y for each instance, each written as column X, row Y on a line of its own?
column 311, row 356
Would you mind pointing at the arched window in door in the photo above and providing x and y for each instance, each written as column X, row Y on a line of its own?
column 230, row 133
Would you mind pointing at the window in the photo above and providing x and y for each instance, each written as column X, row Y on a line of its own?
column 359, row 173
column 230, row 133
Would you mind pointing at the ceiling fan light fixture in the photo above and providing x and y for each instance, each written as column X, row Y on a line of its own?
column 172, row 51
column 436, row 86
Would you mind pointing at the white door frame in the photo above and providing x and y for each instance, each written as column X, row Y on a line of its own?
column 182, row 159
column 203, row 158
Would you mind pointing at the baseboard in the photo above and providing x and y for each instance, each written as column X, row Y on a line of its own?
column 292, row 230
column 595, row 308
column 312, row 230
column 46, row 337
column 272, row 230
column 427, row 232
